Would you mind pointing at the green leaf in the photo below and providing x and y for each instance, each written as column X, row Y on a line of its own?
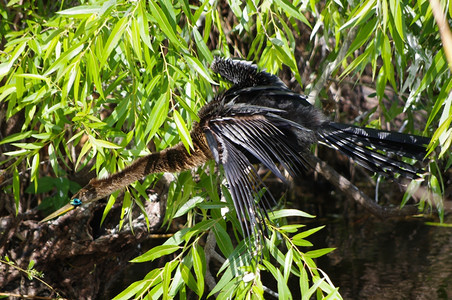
column 103, row 144
column 111, row 201
column 131, row 290
column 113, row 39
column 201, row 46
column 292, row 11
column 360, row 14
column 319, row 252
column 156, row 252
column 307, row 233
column 81, row 10
column 201, row 227
column 195, row 64
column 199, row 266
column 16, row 136
column 159, row 113
column 93, row 70
column 16, row 189
column 304, row 282
column 386, row 55
column 284, row 213
column 396, row 11
column 165, row 25
column 166, row 274
column 187, row 276
column 143, row 25
column 188, row 205
column 223, row 240
column 60, row 63
column 302, row 243
column 226, row 278
column 184, row 133
column 5, row 67
column 35, row 169
column 288, row 264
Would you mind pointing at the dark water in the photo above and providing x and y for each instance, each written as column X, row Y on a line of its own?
column 387, row 259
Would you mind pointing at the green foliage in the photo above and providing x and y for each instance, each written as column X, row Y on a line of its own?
column 96, row 84
column 30, row 272
column 241, row 271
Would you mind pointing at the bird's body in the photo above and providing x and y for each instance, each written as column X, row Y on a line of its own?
column 260, row 120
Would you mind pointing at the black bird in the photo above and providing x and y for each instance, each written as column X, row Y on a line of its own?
column 260, row 120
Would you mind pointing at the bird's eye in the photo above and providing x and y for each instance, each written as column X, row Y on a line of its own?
column 76, row 202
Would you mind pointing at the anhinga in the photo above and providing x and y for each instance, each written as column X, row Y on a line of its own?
column 259, row 119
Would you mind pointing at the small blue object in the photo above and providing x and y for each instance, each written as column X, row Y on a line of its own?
column 76, row 202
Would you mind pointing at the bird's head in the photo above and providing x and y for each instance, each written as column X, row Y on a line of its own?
column 85, row 195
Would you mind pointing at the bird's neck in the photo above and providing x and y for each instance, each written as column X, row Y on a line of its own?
column 173, row 159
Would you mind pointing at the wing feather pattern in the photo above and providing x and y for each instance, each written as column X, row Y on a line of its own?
column 241, row 134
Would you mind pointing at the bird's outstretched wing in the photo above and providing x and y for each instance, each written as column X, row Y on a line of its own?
column 240, row 135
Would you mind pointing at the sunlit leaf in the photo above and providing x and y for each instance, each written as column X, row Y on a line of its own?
column 156, row 252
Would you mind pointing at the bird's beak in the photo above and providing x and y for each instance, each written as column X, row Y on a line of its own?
column 63, row 210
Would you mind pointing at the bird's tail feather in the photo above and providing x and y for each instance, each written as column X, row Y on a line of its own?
column 362, row 144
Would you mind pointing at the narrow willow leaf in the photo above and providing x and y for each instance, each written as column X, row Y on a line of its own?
column 103, row 144
column 16, row 188
column 224, row 242
column 165, row 25
column 362, row 37
column 188, row 277
column 307, row 232
column 156, row 252
column 67, row 55
column 81, row 10
column 199, row 266
column 198, row 67
column 386, row 55
column 270, row 267
column 159, row 113
column 396, row 11
column 53, row 158
column 302, row 242
column 304, row 282
column 319, row 252
column 16, row 136
column 201, row 227
column 113, row 39
column 291, row 228
column 93, row 70
column 34, row 169
column 225, row 279
column 176, row 283
column 292, row 11
column 5, row 67
column 283, row 213
column 42, row 135
column 143, row 25
column 278, row 255
column 131, row 290
column 288, row 264
column 6, row 90
column 29, row 146
column 111, row 201
column 187, row 206
column 184, row 133
column 86, row 147
column 360, row 14
column 201, row 46
column 69, row 79
column 166, row 274
column 135, row 38
column 317, row 283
